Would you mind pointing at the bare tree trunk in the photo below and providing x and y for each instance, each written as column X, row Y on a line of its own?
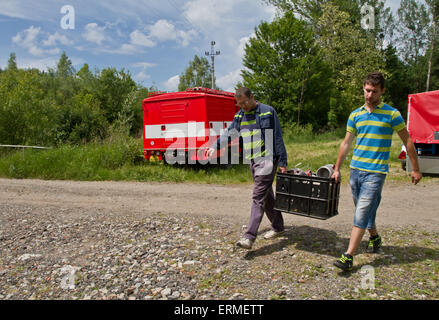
column 300, row 103
column 302, row 91
column 433, row 40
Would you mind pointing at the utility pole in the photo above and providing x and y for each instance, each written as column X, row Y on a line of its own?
column 212, row 55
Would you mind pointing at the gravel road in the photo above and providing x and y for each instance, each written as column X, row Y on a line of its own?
column 129, row 240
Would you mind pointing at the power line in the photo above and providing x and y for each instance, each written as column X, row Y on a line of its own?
column 212, row 55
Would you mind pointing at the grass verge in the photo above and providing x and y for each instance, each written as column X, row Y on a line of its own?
column 121, row 159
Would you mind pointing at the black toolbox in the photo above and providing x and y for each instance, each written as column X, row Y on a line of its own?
column 309, row 196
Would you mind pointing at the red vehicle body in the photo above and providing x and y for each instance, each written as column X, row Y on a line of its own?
column 185, row 123
column 423, row 127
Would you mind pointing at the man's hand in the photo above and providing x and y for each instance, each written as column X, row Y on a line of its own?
column 336, row 175
column 416, row 176
column 411, row 152
column 209, row 152
column 282, row 169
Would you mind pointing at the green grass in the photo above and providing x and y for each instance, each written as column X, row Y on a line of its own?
column 121, row 159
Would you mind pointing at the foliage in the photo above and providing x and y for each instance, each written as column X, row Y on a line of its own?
column 404, row 48
column 112, row 89
column 413, row 22
column 398, row 86
column 121, row 158
column 352, row 54
column 26, row 115
column 197, row 74
column 309, row 63
column 64, row 106
column 12, row 62
column 312, row 10
column 285, row 69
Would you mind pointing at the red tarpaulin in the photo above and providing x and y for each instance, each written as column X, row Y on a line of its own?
column 423, row 117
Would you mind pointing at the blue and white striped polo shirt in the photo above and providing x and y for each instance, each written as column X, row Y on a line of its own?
column 374, row 136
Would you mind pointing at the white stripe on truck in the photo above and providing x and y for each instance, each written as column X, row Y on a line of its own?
column 175, row 130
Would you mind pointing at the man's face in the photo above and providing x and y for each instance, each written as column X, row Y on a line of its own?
column 372, row 94
column 246, row 104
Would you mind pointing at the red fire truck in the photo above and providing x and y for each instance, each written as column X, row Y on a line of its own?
column 179, row 126
column 423, row 127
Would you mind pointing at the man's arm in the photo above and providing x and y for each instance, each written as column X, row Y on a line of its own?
column 342, row 153
column 416, row 175
column 231, row 132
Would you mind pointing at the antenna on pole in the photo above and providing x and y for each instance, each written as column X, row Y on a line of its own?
column 212, row 55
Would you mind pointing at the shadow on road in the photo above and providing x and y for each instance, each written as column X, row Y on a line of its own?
column 327, row 242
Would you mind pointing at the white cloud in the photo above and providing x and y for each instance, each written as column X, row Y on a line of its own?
column 161, row 31
column 240, row 50
column 172, row 83
column 27, row 37
column 208, row 14
column 185, row 38
column 56, row 37
column 44, row 64
column 138, row 41
column 164, row 30
column 126, row 48
column 229, row 81
column 94, row 33
column 138, row 38
column 40, row 64
column 30, row 40
column 141, row 76
column 23, row 9
column 143, row 65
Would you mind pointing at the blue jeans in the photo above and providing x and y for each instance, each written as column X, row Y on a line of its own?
column 366, row 191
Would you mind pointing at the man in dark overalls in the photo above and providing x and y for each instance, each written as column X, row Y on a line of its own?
column 264, row 150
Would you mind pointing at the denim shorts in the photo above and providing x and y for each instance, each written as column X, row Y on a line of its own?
column 366, row 190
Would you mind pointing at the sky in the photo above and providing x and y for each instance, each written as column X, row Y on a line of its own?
column 152, row 39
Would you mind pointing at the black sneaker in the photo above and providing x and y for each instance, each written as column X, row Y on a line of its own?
column 345, row 262
column 374, row 244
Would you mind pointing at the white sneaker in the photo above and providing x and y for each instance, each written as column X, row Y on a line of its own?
column 273, row 234
column 245, row 243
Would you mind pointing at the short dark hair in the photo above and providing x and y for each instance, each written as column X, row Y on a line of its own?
column 243, row 91
column 375, row 78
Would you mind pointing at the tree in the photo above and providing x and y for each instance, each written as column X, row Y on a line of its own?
column 397, row 84
column 352, row 55
column 81, row 120
column 26, row 115
column 65, row 67
column 84, row 72
column 286, row 70
column 312, row 10
column 412, row 26
column 63, row 82
column 112, row 88
column 12, row 62
column 413, row 22
column 197, row 74
column 433, row 7
column 434, row 81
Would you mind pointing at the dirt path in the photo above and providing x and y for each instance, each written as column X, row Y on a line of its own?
column 129, row 240
column 403, row 204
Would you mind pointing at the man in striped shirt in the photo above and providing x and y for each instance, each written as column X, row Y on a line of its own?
column 264, row 150
column 373, row 124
